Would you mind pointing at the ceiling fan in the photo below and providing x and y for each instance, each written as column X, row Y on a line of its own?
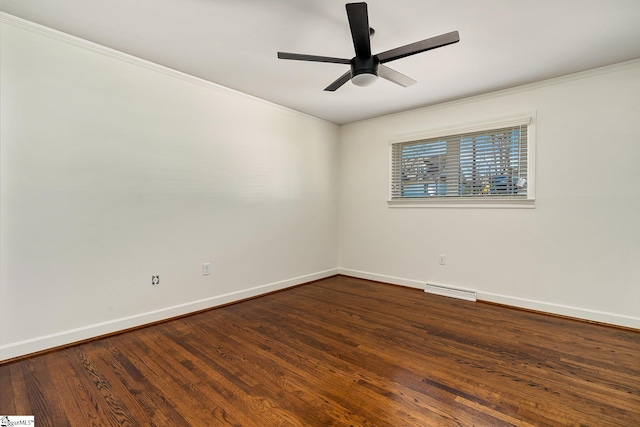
column 365, row 67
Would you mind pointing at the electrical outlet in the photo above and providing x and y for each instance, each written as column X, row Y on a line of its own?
column 206, row 269
column 442, row 260
column 155, row 280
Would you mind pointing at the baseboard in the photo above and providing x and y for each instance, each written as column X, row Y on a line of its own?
column 563, row 310
column 541, row 306
column 38, row 344
column 382, row 278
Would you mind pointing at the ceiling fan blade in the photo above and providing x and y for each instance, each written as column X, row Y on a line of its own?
column 339, row 82
column 394, row 76
column 417, row 47
column 313, row 58
column 359, row 24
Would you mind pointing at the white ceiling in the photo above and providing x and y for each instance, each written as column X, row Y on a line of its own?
column 503, row 43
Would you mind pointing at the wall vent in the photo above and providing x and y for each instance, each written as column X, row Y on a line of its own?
column 448, row 291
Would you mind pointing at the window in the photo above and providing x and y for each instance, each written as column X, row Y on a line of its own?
column 485, row 165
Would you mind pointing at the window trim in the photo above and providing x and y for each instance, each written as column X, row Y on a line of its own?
column 528, row 119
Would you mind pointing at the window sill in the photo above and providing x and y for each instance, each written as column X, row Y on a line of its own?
column 457, row 203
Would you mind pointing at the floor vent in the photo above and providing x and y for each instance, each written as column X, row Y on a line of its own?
column 447, row 291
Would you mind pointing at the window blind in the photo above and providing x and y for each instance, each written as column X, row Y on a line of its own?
column 484, row 164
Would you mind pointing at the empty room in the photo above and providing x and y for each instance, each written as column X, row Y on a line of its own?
column 304, row 213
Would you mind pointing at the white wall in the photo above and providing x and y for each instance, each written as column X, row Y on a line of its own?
column 577, row 253
column 114, row 169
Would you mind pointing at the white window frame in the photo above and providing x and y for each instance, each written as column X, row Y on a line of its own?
column 528, row 119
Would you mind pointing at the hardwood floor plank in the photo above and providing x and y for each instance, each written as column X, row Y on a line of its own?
column 203, row 387
column 297, row 372
column 42, row 392
column 110, row 403
column 151, row 398
column 171, row 384
column 339, row 360
column 122, row 386
column 340, row 352
column 7, row 393
column 79, row 402
column 271, row 378
column 18, row 390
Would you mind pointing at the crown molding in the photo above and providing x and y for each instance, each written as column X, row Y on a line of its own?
column 66, row 38
column 594, row 72
column 116, row 54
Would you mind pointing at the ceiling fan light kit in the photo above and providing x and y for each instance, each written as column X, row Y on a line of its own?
column 365, row 67
column 364, row 79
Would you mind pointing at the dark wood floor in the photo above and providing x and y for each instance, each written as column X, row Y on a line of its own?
column 339, row 352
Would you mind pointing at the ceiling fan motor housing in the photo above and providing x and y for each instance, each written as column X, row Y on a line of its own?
column 364, row 71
